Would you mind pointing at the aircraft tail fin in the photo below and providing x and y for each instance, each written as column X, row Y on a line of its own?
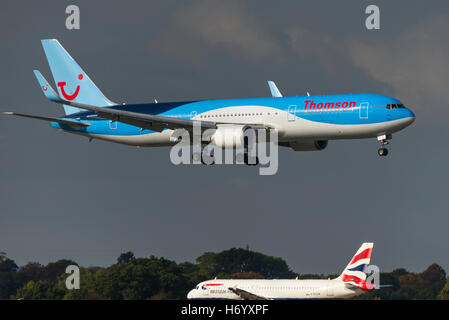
column 354, row 272
column 73, row 84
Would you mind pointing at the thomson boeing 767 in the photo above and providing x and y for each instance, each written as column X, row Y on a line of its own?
column 303, row 123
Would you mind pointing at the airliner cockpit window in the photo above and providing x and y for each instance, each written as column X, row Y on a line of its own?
column 395, row 106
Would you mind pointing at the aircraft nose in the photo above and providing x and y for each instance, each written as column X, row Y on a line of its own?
column 190, row 294
column 411, row 116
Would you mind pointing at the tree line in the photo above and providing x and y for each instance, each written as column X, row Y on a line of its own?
column 159, row 278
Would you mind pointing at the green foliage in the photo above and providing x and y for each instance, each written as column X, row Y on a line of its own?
column 87, row 289
column 408, row 286
column 141, row 278
column 53, row 270
column 246, row 275
column 40, row 290
column 126, row 257
column 8, row 282
column 444, row 293
column 242, row 260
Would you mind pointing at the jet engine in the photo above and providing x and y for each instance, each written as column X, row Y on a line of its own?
column 310, row 145
column 232, row 136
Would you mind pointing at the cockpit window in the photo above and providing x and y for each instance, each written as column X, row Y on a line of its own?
column 197, row 287
column 395, row 106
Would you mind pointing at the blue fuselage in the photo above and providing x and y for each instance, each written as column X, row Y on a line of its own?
column 303, row 117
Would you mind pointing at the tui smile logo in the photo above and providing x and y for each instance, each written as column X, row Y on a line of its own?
column 70, row 97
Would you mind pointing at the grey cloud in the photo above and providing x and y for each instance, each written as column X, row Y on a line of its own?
column 307, row 44
column 415, row 64
column 223, row 25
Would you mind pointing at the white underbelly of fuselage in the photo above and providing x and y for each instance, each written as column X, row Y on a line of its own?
column 289, row 127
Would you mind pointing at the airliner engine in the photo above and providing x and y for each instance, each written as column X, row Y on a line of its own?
column 229, row 136
column 310, row 145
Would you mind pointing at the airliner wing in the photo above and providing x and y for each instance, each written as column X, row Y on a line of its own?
column 247, row 295
column 150, row 121
column 142, row 120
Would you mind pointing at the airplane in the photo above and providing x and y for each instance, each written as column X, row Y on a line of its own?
column 352, row 282
column 303, row 123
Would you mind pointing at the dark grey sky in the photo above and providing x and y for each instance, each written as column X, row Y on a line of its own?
column 62, row 197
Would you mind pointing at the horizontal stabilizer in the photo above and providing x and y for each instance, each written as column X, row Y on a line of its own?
column 73, row 124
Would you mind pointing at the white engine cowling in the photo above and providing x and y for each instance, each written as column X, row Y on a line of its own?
column 231, row 136
column 311, row 145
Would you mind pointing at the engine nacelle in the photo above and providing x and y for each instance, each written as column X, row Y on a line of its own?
column 229, row 136
column 311, row 145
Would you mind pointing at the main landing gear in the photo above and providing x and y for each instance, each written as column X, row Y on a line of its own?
column 383, row 152
column 240, row 158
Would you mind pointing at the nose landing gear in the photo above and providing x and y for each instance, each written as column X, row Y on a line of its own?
column 383, row 152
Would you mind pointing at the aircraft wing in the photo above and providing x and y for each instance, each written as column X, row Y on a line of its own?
column 152, row 122
column 247, row 295
column 142, row 120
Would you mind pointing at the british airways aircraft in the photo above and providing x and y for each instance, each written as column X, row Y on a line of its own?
column 352, row 282
column 303, row 123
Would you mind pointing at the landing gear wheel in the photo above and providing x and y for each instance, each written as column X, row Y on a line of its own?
column 247, row 160
column 207, row 158
column 196, row 156
column 382, row 152
column 208, row 162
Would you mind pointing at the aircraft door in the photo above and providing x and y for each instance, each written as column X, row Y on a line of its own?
column 330, row 289
column 291, row 114
column 113, row 124
column 193, row 114
column 364, row 110
column 205, row 290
